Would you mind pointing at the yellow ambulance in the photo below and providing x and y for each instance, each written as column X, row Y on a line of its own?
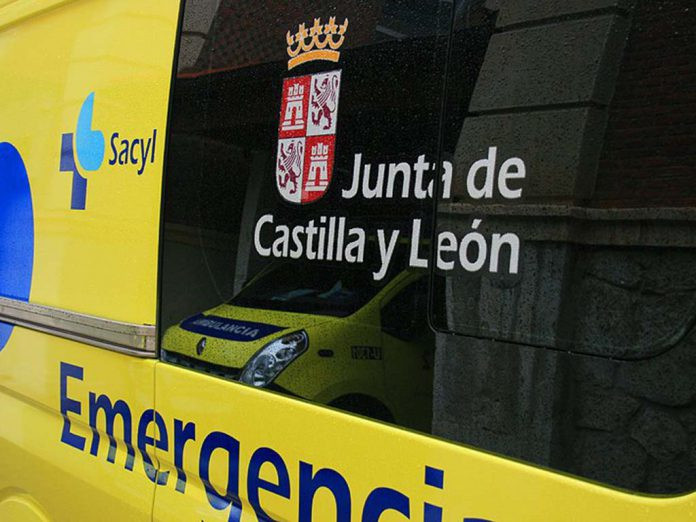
column 329, row 336
column 345, row 260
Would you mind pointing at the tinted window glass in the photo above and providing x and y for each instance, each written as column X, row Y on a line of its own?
column 325, row 290
column 570, row 228
column 572, row 200
column 404, row 316
column 299, row 220
column 303, row 136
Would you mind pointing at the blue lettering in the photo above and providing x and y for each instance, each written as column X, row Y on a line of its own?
column 145, row 150
column 380, row 500
column 255, row 483
column 182, row 434
column 218, row 440
column 70, row 405
column 324, row 478
column 133, row 159
column 114, row 137
column 154, row 142
column 162, row 442
column 436, row 478
column 385, row 499
column 110, row 411
column 123, row 155
column 136, row 152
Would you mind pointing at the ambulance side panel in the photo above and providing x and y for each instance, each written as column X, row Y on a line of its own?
column 81, row 82
column 265, row 453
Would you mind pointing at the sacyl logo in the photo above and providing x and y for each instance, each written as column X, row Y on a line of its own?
column 89, row 144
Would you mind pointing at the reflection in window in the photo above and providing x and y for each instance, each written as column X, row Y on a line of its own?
column 561, row 264
column 323, row 290
column 573, row 142
column 271, row 280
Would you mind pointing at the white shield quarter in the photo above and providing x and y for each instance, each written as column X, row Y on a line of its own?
column 323, row 103
column 290, row 168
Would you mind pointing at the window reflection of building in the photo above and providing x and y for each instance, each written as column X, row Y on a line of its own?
column 602, row 105
column 249, row 32
column 220, row 182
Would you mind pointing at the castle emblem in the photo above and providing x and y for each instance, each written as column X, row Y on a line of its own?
column 307, row 136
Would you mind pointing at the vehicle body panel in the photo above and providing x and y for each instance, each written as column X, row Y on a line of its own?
column 100, row 260
column 103, row 261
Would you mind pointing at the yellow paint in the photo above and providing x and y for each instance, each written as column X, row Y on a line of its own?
column 100, row 261
column 370, row 455
column 57, row 479
column 103, row 261
column 390, row 380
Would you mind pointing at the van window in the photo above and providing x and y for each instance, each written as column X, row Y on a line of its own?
column 568, row 244
column 568, row 224
column 300, row 141
column 405, row 315
column 324, row 290
column 516, row 174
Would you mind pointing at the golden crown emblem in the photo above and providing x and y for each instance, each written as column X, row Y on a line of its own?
column 319, row 42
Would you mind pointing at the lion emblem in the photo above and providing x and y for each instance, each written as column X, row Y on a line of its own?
column 290, row 165
column 324, row 101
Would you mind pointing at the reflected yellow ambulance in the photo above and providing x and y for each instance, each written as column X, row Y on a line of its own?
column 330, row 336
column 203, row 313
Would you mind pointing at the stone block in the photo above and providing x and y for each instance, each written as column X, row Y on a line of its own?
column 610, row 459
column 484, row 395
column 559, row 63
column 688, row 420
column 632, row 303
column 189, row 51
column 560, row 149
column 198, row 15
column 528, row 11
column 605, row 412
column 595, row 373
column 660, row 434
column 676, row 476
column 668, row 379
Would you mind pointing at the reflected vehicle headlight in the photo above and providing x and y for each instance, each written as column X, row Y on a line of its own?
column 273, row 358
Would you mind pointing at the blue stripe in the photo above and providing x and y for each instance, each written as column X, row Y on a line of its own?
column 231, row 329
column 16, row 231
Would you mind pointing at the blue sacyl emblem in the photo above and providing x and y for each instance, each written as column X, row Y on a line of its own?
column 16, row 231
column 90, row 152
column 84, row 151
column 231, row 329
column 88, row 142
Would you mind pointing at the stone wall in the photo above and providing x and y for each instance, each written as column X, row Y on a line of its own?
column 649, row 155
column 578, row 90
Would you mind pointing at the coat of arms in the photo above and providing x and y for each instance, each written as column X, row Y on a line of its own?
column 307, row 136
